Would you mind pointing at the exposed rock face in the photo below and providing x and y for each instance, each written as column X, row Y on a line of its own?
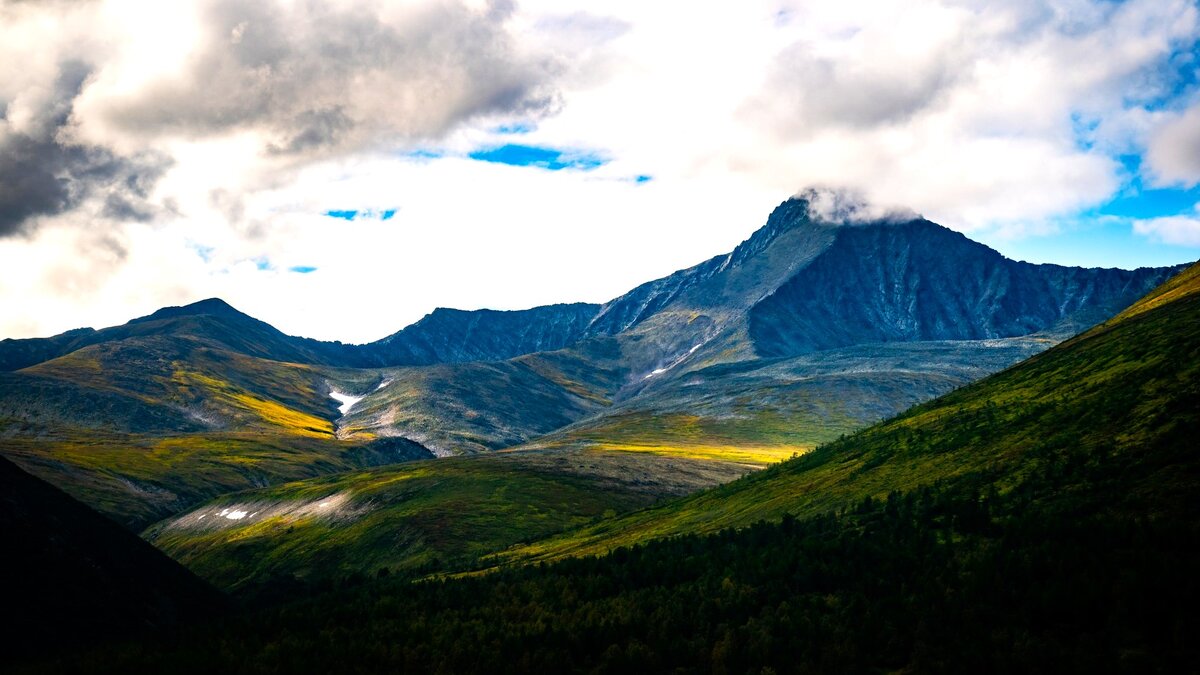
column 709, row 283
column 457, row 336
column 920, row 281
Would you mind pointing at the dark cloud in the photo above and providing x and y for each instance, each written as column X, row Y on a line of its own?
column 313, row 78
column 41, row 174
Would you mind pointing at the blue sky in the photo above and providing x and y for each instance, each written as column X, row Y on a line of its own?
column 568, row 152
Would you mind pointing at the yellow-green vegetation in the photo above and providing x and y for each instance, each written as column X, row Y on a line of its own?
column 1176, row 288
column 418, row 517
column 137, row 480
column 1130, row 383
column 220, row 393
column 146, row 427
column 750, row 455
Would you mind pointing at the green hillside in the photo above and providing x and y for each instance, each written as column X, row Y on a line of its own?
column 417, row 517
column 146, row 426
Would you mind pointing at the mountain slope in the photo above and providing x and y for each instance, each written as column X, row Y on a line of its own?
column 415, row 517
column 457, row 336
column 919, row 281
column 74, row 577
column 1126, row 387
column 779, row 406
column 143, row 427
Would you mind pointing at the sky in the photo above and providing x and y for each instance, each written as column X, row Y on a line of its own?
column 341, row 169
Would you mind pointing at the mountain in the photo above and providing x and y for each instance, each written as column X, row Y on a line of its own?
column 213, row 321
column 808, row 330
column 443, row 336
column 1123, row 387
column 144, row 426
column 1123, row 396
column 1042, row 519
column 457, row 336
column 76, row 577
column 801, row 287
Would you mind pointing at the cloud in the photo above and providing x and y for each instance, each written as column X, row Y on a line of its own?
column 317, row 78
column 44, row 173
column 851, row 206
column 1177, row 230
column 978, row 114
column 1174, row 150
column 884, row 73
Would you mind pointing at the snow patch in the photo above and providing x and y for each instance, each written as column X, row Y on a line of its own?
column 383, row 384
column 347, row 401
column 337, row 506
column 660, row 371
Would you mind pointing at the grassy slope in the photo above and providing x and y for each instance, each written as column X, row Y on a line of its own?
column 760, row 412
column 746, row 419
column 435, row 515
column 1118, row 387
column 198, row 421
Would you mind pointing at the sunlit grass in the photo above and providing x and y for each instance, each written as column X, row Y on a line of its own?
column 743, row 454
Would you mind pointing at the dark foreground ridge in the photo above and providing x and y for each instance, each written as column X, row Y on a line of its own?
column 73, row 577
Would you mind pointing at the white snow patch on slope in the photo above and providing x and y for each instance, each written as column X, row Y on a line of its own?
column 338, row 506
column 660, row 371
column 383, row 384
column 232, row 514
column 347, row 401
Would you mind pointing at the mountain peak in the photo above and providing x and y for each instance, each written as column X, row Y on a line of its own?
column 844, row 206
column 209, row 306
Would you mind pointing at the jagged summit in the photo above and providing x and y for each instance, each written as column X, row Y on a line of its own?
column 844, row 206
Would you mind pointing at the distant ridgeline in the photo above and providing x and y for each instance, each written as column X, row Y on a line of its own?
column 801, row 283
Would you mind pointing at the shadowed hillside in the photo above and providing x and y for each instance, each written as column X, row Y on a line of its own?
column 74, row 577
